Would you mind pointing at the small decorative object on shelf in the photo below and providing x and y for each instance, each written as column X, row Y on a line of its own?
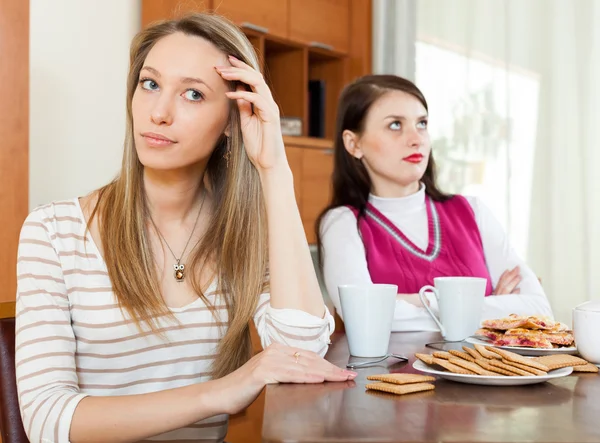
column 291, row 126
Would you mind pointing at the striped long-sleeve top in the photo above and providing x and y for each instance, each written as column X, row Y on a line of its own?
column 73, row 340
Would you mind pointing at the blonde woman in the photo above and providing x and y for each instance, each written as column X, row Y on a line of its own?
column 134, row 302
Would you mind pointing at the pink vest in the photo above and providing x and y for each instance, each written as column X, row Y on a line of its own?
column 454, row 249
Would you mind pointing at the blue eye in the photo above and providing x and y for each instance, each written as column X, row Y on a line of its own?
column 193, row 95
column 395, row 126
column 422, row 124
column 149, row 85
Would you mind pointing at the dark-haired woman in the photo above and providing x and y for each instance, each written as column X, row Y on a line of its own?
column 388, row 222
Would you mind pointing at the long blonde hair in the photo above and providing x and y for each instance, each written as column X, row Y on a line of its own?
column 235, row 244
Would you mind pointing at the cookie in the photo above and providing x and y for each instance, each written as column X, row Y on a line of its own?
column 585, row 368
column 451, row 366
column 485, row 353
column 401, row 379
column 425, row 358
column 472, row 352
column 471, row 366
column 558, row 361
column 510, row 368
column 442, row 354
column 462, row 355
column 400, row 389
column 516, row 358
column 533, row 371
column 497, row 371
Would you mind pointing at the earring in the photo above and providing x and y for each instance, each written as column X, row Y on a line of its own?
column 227, row 155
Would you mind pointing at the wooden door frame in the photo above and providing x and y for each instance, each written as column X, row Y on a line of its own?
column 14, row 133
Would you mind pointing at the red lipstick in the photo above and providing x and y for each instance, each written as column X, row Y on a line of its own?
column 414, row 158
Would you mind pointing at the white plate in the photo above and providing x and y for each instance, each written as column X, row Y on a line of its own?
column 534, row 352
column 491, row 380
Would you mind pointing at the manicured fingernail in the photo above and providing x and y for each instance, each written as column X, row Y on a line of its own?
column 352, row 373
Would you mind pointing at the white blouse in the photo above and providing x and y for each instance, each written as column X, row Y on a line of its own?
column 344, row 260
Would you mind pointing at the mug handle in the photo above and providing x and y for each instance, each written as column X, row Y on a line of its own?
column 435, row 292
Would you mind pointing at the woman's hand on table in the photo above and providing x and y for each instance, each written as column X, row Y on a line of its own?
column 276, row 364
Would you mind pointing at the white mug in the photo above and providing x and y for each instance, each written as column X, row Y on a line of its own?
column 460, row 300
column 368, row 313
column 586, row 328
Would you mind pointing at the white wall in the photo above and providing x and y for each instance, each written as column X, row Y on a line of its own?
column 79, row 53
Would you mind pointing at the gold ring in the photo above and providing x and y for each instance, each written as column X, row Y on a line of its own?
column 296, row 356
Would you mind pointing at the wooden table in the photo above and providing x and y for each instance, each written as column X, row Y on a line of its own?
column 562, row 410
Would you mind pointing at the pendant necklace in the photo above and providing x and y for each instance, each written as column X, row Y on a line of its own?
column 178, row 267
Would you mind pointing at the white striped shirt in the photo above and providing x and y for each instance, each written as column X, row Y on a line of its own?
column 72, row 340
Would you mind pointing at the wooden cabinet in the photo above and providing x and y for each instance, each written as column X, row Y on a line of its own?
column 317, row 168
column 154, row 10
column 312, row 165
column 266, row 16
column 321, row 23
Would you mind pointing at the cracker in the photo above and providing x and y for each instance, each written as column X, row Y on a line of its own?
column 585, row 368
column 472, row 352
column 387, row 395
column 516, row 358
column 497, row 371
column 425, row 358
column 401, row 379
column 400, row 389
column 442, row 354
column 510, row 368
column 451, row 366
column 471, row 366
column 462, row 355
column 533, row 371
column 558, row 361
column 485, row 353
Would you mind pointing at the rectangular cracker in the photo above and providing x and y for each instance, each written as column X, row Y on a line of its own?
column 471, row 366
column 510, row 368
column 516, row 358
column 401, row 379
column 558, row 361
column 473, row 353
column 442, row 354
column 497, row 371
column 485, row 353
column 400, row 389
column 585, row 368
column 462, row 355
column 425, row 358
column 451, row 367
column 533, row 371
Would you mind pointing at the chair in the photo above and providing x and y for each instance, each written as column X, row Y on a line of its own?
column 11, row 425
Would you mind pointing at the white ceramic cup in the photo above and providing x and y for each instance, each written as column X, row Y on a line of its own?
column 368, row 312
column 460, row 300
column 586, row 327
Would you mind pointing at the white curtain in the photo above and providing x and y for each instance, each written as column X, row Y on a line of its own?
column 514, row 104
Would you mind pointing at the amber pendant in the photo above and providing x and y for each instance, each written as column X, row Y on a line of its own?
column 179, row 275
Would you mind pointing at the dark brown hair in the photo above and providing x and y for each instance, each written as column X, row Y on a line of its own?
column 351, row 181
